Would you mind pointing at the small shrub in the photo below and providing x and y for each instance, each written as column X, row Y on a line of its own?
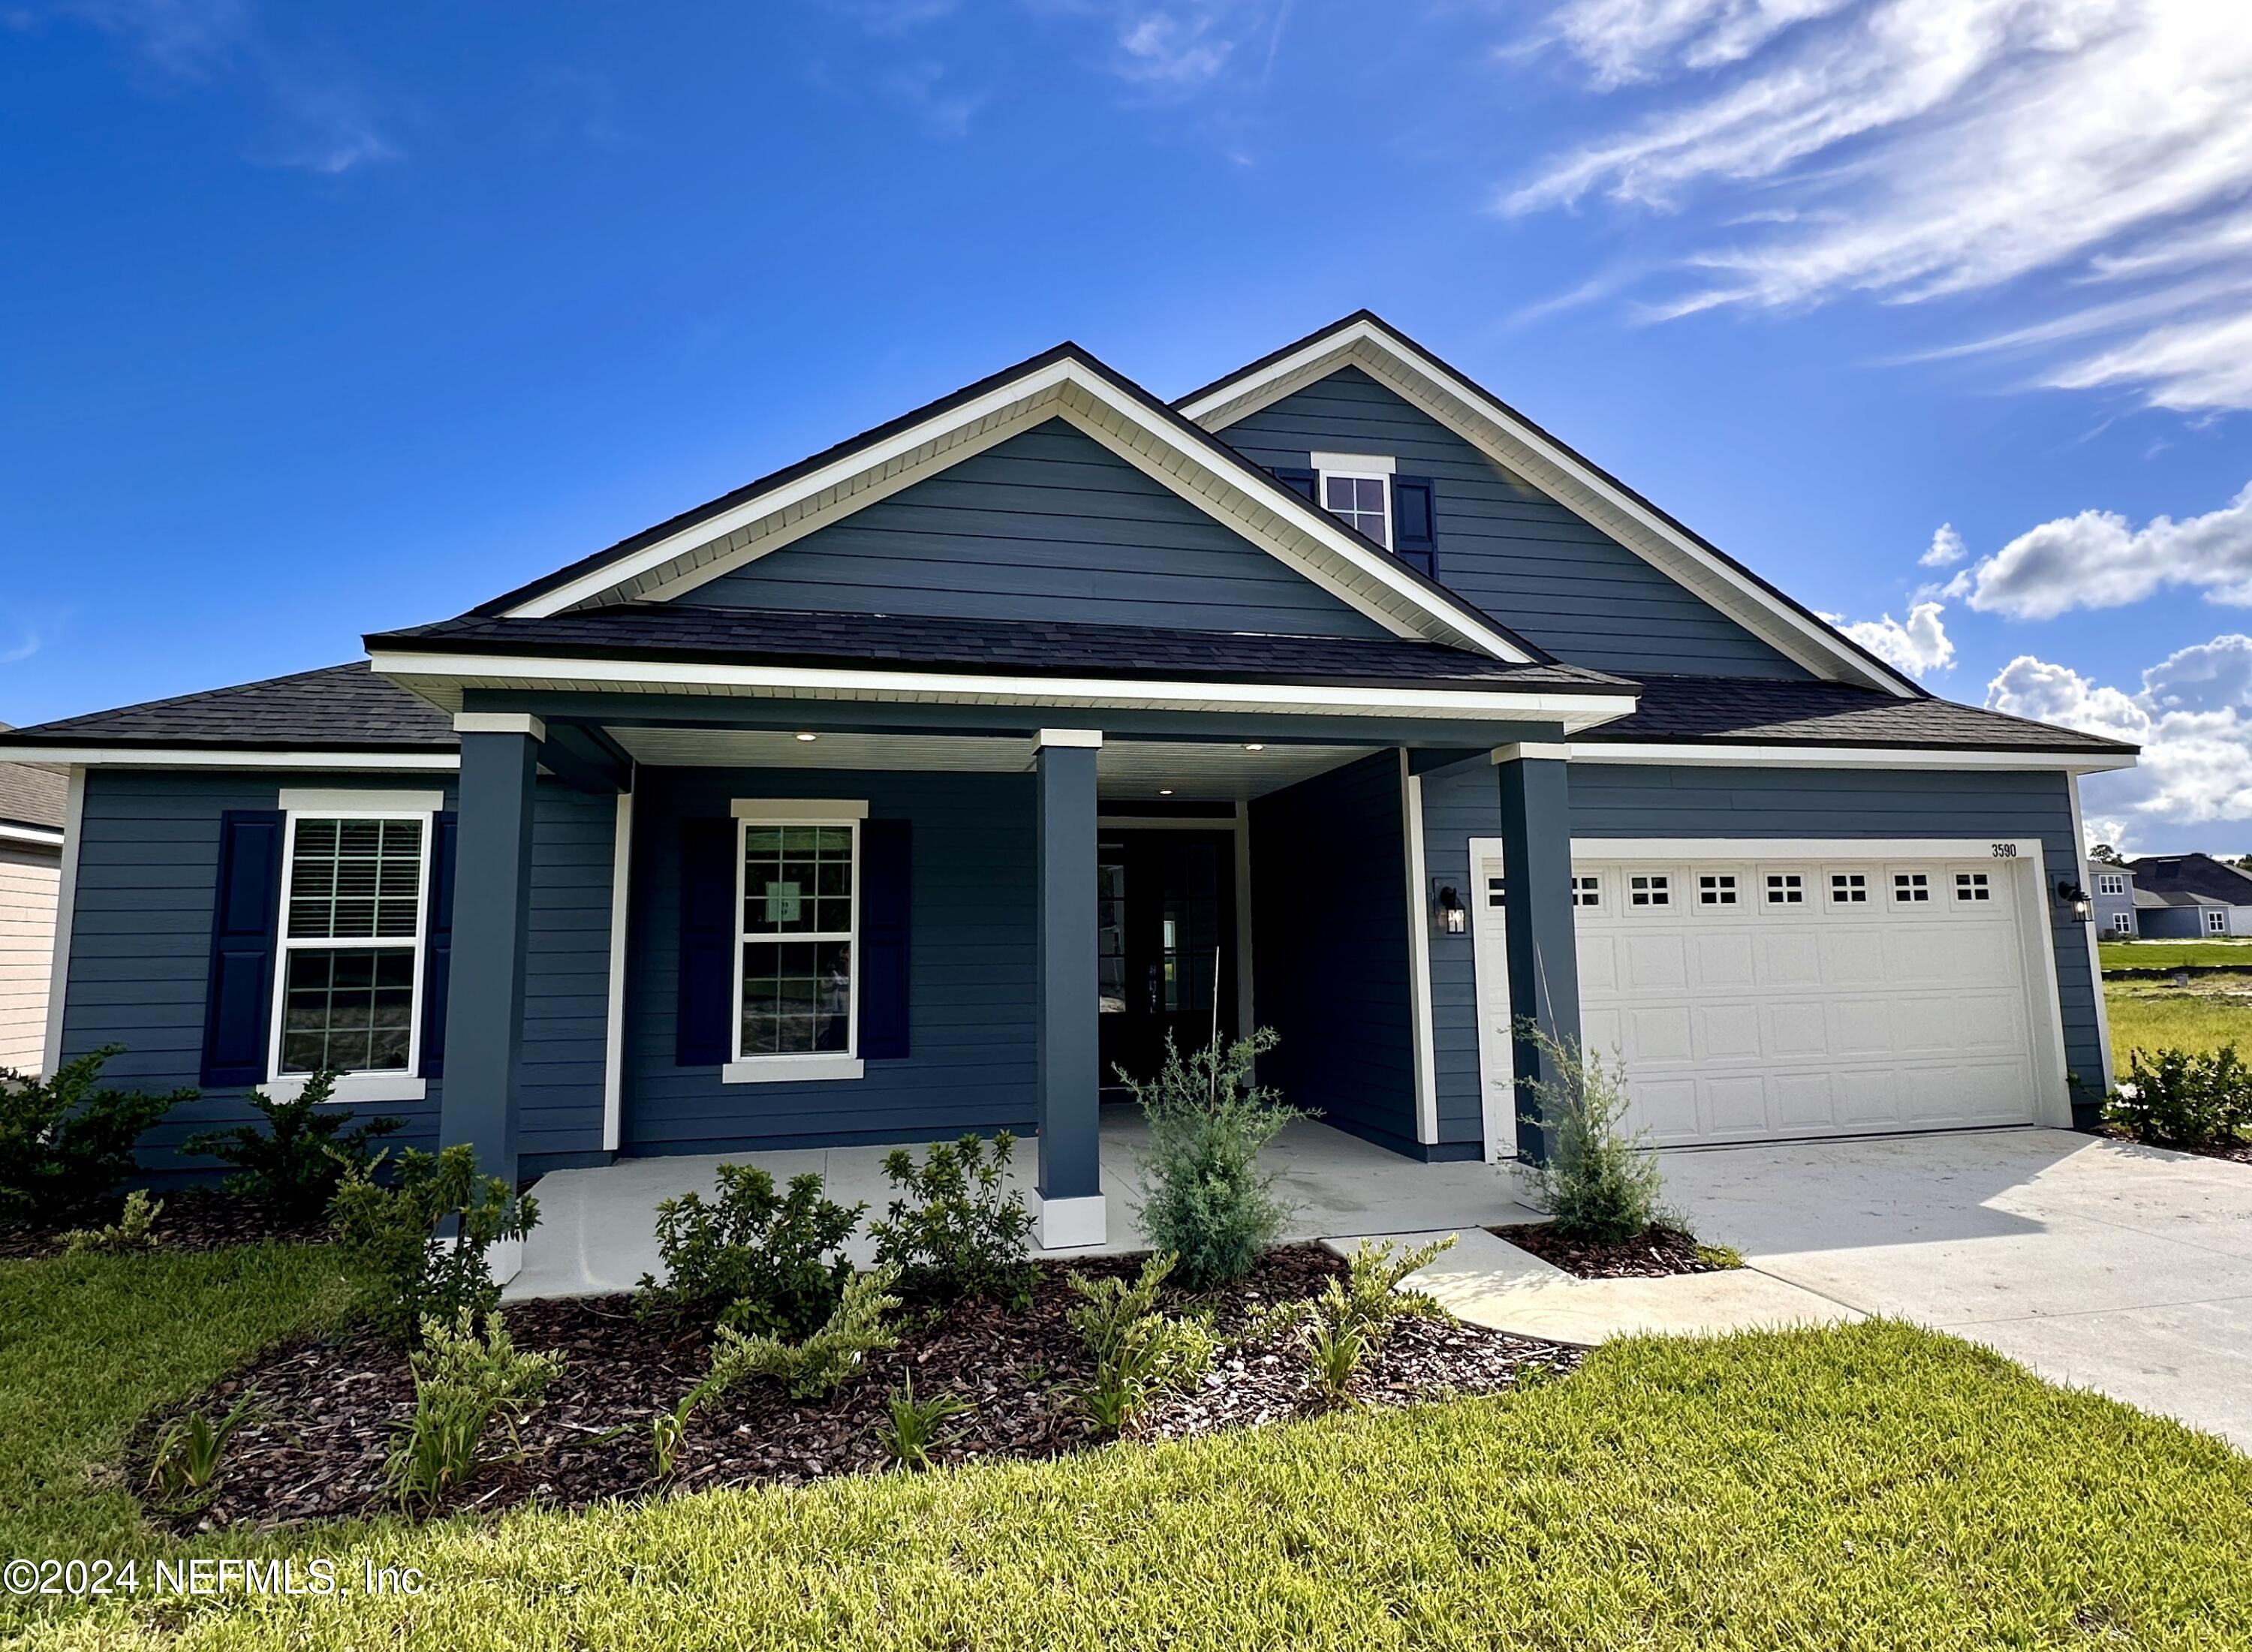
column 1595, row 1182
column 913, row 1427
column 668, row 1432
column 959, row 1233
column 772, row 1263
column 464, row 1382
column 185, row 1462
column 824, row 1360
column 2182, row 1098
column 1334, row 1354
column 1351, row 1319
column 1140, row 1355
column 1203, row 1195
column 1727, row 1257
column 295, row 1163
column 422, row 1240
column 135, row 1230
column 66, row 1142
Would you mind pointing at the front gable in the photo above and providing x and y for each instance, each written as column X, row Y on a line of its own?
column 1555, row 579
column 1048, row 524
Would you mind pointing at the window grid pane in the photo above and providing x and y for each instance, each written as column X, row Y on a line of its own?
column 797, row 880
column 348, row 1008
column 355, row 880
column 797, row 997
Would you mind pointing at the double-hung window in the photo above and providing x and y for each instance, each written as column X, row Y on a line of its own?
column 348, row 991
column 797, row 940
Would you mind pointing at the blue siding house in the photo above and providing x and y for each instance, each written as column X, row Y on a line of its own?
column 924, row 785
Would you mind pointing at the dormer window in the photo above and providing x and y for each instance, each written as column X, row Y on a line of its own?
column 1355, row 488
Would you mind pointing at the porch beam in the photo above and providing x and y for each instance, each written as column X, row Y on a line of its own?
column 1068, row 1084
column 1544, row 964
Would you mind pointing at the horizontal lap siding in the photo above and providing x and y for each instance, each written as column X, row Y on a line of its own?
column 1528, row 561
column 141, row 951
column 1459, row 803
column 970, row 971
column 1047, row 525
column 1627, row 801
column 1329, row 948
column 29, row 879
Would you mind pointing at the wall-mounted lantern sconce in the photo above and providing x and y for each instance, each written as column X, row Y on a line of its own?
column 1449, row 915
column 2071, row 895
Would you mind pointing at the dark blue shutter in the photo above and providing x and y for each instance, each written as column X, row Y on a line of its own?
column 239, row 995
column 1304, row 483
column 886, row 873
column 707, row 943
column 438, row 935
column 1415, row 524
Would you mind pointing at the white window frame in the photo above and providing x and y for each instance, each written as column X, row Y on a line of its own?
column 1656, row 891
column 1838, row 896
column 2110, row 884
column 1905, row 890
column 1357, row 467
column 2123, row 923
column 2216, row 920
column 1587, row 891
column 405, row 1084
column 1792, row 893
column 1725, row 894
column 851, row 814
column 1973, row 887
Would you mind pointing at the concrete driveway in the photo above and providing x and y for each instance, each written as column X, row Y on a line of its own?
column 2124, row 1269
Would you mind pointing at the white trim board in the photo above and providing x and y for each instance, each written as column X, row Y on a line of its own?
column 1785, row 756
column 2102, row 1086
column 38, row 836
column 65, row 911
column 1266, row 514
column 1424, row 1040
column 1489, row 968
column 1503, row 436
column 614, row 1015
column 203, row 757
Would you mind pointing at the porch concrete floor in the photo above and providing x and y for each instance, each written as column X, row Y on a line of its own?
column 597, row 1228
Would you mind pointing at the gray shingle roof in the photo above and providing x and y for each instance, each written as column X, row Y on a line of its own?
column 1764, row 712
column 677, row 631
column 31, row 794
column 336, row 709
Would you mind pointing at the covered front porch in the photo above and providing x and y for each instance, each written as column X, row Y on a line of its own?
column 597, row 1230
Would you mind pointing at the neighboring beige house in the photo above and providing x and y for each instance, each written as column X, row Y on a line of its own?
column 31, row 809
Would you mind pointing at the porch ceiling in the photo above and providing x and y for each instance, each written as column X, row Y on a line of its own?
column 1125, row 770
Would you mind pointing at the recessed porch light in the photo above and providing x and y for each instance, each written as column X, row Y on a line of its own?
column 1165, row 791
column 809, row 737
column 1254, row 748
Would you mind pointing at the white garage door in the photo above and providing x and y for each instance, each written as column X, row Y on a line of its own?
column 1757, row 1000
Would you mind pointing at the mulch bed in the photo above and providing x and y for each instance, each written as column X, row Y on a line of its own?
column 1659, row 1254
column 316, row 1448
column 203, row 1217
column 2234, row 1152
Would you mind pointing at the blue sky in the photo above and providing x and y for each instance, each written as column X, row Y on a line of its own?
column 320, row 319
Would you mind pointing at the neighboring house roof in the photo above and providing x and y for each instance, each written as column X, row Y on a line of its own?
column 1365, row 340
column 338, row 708
column 2147, row 898
column 32, row 797
column 2194, row 874
column 1768, row 711
column 676, row 631
column 2176, row 898
column 1068, row 383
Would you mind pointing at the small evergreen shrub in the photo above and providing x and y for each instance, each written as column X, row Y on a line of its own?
column 2182, row 1099
column 1140, row 1353
column 67, row 1141
column 135, row 1230
column 755, row 1259
column 1596, row 1183
column 821, row 1362
column 421, row 1241
column 1203, row 1196
column 295, row 1163
column 1351, row 1320
column 912, row 1428
column 959, row 1232
column 464, row 1382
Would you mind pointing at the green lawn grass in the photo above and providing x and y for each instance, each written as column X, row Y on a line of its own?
column 2173, row 955
column 1858, row 1486
column 2210, row 1011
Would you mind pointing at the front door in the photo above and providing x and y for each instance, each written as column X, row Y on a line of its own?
column 1165, row 923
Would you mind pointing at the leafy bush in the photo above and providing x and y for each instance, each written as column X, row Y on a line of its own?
column 421, row 1241
column 186, row 1462
column 133, row 1230
column 1351, row 1319
column 295, row 1163
column 911, row 1426
column 758, row 1261
column 1140, row 1355
column 1595, row 1182
column 1203, row 1195
column 66, row 1142
column 463, row 1383
column 823, row 1361
column 2182, row 1099
column 959, row 1233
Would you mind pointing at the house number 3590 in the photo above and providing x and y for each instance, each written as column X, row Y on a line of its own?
column 2006, row 852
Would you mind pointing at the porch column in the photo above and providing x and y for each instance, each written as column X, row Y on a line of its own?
column 492, row 887
column 1544, row 961
column 1070, row 1075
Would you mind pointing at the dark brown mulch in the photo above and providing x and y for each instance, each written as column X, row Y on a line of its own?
column 1656, row 1254
column 198, row 1217
column 2234, row 1152
column 327, row 1410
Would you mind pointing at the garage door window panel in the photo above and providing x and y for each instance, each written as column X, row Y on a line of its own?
column 1849, row 889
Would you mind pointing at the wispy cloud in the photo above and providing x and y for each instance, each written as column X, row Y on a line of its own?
column 1913, row 149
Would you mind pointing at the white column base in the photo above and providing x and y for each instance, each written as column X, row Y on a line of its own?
column 1065, row 1224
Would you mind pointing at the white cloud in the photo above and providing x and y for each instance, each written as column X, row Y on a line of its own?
column 2192, row 719
column 1918, row 645
column 1911, row 149
column 2098, row 560
column 1947, row 549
